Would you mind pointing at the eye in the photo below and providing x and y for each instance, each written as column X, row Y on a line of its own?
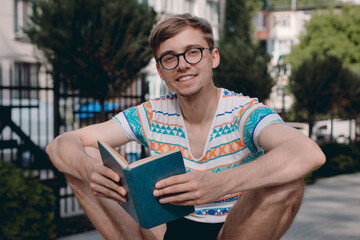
column 168, row 58
column 193, row 52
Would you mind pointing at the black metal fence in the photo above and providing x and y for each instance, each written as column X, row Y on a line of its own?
column 33, row 112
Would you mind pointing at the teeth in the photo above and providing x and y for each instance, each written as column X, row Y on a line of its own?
column 186, row 78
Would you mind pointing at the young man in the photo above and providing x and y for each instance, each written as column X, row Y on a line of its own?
column 239, row 192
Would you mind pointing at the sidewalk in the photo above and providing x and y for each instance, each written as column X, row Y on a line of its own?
column 330, row 210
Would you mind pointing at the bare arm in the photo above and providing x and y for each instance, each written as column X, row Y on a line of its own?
column 68, row 153
column 290, row 156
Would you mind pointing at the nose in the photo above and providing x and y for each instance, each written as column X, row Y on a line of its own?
column 183, row 64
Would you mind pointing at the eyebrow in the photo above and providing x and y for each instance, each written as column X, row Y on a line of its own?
column 186, row 48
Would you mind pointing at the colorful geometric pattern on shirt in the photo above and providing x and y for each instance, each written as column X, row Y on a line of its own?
column 253, row 119
column 213, row 153
column 132, row 116
column 229, row 198
column 227, row 93
column 227, row 128
column 212, row 211
column 232, row 126
column 167, row 129
column 160, row 120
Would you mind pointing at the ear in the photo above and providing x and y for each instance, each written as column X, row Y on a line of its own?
column 158, row 68
column 215, row 58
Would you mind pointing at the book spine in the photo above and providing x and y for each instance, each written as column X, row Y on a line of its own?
column 133, row 195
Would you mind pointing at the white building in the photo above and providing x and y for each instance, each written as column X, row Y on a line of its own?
column 17, row 60
column 19, row 68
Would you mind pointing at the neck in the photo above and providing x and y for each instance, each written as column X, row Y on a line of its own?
column 200, row 108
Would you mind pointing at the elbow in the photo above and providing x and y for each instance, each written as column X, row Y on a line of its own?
column 51, row 151
column 317, row 156
column 55, row 152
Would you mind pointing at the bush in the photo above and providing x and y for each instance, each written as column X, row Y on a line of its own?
column 26, row 206
column 310, row 178
column 340, row 159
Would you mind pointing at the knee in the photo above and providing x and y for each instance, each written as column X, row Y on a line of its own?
column 288, row 194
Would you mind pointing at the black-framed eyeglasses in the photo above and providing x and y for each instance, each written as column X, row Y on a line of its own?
column 192, row 55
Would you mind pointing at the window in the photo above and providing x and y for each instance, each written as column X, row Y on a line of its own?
column 282, row 21
column 26, row 77
column 261, row 21
column 23, row 11
column 212, row 11
column 285, row 46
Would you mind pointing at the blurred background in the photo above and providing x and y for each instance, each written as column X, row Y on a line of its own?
column 66, row 64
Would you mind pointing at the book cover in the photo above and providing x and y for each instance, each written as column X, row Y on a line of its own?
column 139, row 179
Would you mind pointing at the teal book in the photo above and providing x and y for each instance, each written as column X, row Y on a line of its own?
column 139, row 179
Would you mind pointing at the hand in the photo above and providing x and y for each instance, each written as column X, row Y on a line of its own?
column 190, row 188
column 104, row 182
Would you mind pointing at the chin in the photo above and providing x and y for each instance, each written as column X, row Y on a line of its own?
column 189, row 94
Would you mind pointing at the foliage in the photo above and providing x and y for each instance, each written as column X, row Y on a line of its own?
column 244, row 65
column 340, row 159
column 349, row 94
column 330, row 33
column 26, row 206
column 243, row 68
column 303, row 3
column 238, row 18
column 315, row 85
column 94, row 46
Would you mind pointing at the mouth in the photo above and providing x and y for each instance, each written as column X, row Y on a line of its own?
column 185, row 78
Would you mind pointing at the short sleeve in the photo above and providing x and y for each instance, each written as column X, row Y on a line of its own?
column 131, row 121
column 255, row 120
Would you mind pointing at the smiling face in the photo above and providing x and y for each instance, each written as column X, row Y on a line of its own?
column 188, row 80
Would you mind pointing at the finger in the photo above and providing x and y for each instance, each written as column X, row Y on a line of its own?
column 177, row 179
column 173, row 189
column 102, row 191
column 180, row 199
column 107, row 172
column 122, row 200
column 98, row 179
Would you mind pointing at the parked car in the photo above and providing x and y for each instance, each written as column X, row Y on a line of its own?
column 302, row 127
column 342, row 130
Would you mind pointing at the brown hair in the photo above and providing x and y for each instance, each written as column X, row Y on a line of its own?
column 171, row 26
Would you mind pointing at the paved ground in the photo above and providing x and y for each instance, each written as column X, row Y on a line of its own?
column 330, row 210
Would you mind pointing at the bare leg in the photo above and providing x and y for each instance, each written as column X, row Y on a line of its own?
column 264, row 213
column 107, row 216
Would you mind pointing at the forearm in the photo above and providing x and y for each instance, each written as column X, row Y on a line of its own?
column 285, row 163
column 68, row 155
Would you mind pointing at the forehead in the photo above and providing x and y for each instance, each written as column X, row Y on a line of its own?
column 184, row 39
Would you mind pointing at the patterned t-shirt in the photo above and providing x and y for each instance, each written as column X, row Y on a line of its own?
column 232, row 139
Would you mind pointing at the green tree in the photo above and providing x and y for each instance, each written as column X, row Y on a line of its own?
column 277, row 4
column 238, row 18
column 316, row 86
column 243, row 68
column 243, row 65
column 348, row 103
column 94, row 46
column 331, row 33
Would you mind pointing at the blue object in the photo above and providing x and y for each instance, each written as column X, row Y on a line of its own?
column 91, row 108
